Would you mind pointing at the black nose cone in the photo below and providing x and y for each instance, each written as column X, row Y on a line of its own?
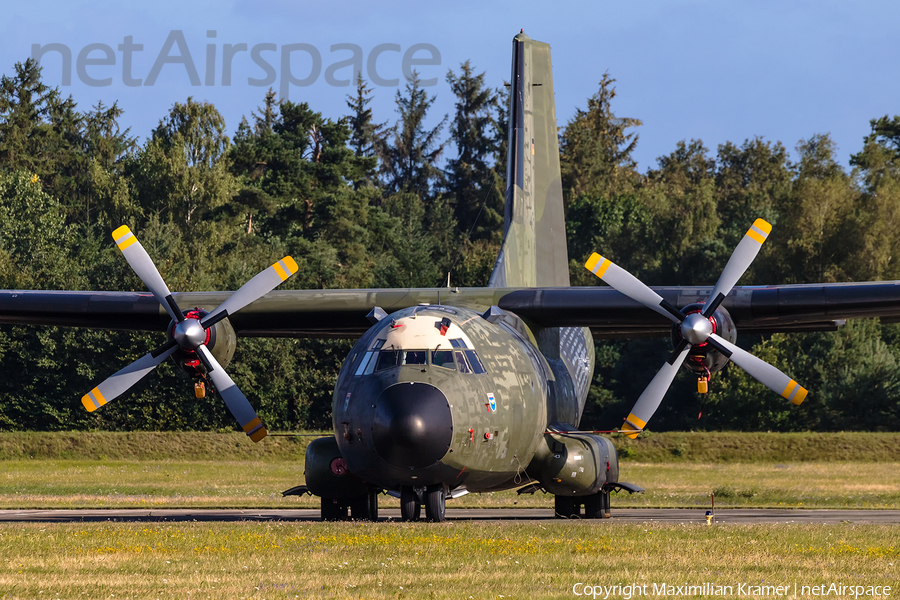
column 413, row 426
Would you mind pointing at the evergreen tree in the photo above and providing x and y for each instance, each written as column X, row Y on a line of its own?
column 266, row 116
column 25, row 106
column 409, row 160
column 596, row 148
column 103, row 186
column 44, row 134
column 470, row 178
column 367, row 138
column 877, row 170
column 881, row 147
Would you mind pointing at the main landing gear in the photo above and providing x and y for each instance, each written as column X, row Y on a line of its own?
column 596, row 506
column 434, row 497
column 361, row 508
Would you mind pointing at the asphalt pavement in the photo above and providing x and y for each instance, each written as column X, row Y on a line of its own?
column 626, row 515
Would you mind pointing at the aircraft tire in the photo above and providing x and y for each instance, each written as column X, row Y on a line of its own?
column 435, row 504
column 365, row 508
column 595, row 505
column 410, row 509
column 332, row 510
column 566, row 507
column 373, row 506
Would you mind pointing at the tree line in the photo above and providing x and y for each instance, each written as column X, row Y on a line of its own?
column 361, row 202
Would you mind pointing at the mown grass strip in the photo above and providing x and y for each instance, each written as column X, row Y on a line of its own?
column 704, row 447
column 258, row 484
column 448, row 560
column 148, row 445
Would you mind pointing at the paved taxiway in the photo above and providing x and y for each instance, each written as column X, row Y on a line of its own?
column 627, row 515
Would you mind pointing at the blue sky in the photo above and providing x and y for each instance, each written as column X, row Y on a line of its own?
column 713, row 70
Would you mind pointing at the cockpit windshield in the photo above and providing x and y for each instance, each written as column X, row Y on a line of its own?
column 442, row 358
column 414, row 357
column 392, row 358
column 387, row 359
column 456, row 358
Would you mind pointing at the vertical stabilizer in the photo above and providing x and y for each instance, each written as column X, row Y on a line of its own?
column 534, row 230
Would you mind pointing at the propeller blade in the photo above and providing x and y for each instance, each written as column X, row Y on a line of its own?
column 737, row 265
column 649, row 400
column 259, row 286
column 631, row 286
column 143, row 266
column 760, row 370
column 121, row 381
column 235, row 400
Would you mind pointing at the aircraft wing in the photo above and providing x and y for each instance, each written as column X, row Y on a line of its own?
column 754, row 309
column 342, row 313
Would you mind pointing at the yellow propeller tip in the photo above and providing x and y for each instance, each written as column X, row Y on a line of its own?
column 120, row 232
column 763, row 226
column 592, row 261
column 259, row 434
column 597, row 265
column 290, row 263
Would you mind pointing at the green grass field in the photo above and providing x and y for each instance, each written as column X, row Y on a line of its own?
column 254, row 484
column 447, row 560
column 709, row 447
column 456, row 559
column 96, row 470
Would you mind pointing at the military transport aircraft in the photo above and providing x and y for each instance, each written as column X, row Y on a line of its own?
column 449, row 391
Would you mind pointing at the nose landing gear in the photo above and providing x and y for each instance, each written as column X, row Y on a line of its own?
column 434, row 497
column 410, row 505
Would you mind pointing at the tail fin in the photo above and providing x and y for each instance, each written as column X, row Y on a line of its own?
column 534, row 230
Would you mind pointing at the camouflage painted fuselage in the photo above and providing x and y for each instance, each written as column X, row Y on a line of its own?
column 405, row 416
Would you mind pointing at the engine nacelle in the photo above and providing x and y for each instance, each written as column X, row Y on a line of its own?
column 326, row 472
column 703, row 359
column 221, row 341
column 574, row 464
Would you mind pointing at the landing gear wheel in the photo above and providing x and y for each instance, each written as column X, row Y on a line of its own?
column 373, row 506
column 332, row 510
column 435, row 503
column 596, row 506
column 567, row 507
column 410, row 509
column 365, row 508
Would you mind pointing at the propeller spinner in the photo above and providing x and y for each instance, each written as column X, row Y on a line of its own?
column 189, row 334
column 696, row 328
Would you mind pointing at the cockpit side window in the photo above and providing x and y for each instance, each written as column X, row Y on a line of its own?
column 462, row 363
column 467, row 360
column 475, row 362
